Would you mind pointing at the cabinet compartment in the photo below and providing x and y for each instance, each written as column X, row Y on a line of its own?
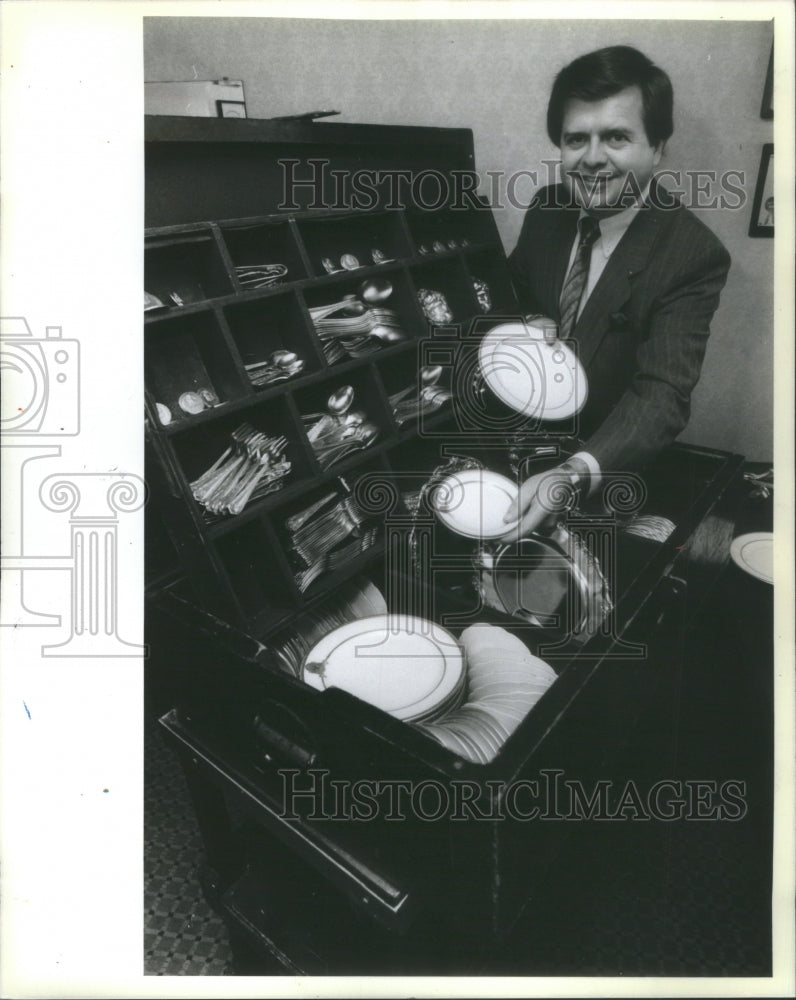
column 275, row 322
column 188, row 354
column 330, row 239
column 406, row 378
column 198, row 449
column 451, row 279
column 253, row 243
column 367, row 404
column 451, row 229
column 182, row 270
column 255, row 575
column 322, row 545
column 398, row 313
column 484, row 265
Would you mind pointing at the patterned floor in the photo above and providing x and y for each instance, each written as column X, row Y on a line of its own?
column 634, row 899
column 182, row 934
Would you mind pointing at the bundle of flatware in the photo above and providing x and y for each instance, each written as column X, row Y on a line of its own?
column 334, row 560
column 259, row 275
column 341, row 431
column 362, row 327
column 318, row 532
column 252, row 466
column 424, row 396
column 280, row 365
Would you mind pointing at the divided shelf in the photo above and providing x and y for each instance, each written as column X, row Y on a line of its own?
column 210, row 327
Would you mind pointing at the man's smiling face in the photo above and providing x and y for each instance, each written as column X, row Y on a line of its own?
column 605, row 152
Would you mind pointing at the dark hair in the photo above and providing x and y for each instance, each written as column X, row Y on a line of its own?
column 604, row 73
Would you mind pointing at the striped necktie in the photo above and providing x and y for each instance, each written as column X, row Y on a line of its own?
column 575, row 284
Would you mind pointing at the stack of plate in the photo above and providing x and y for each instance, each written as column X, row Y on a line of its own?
column 651, row 526
column 353, row 600
column 505, row 681
column 406, row 666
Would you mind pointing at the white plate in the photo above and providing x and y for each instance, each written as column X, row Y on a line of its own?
column 473, row 503
column 401, row 664
column 535, row 377
column 754, row 553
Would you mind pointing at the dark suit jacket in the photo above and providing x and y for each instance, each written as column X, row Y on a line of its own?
column 643, row 330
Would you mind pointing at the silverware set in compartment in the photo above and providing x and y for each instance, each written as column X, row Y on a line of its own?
column 259, row 275
column 321, row 536
column 441, row 246
column 350, row 262
column 341, row 431
column 424, row 396
column 363, row 325
column 252, row 466
column 281, row 365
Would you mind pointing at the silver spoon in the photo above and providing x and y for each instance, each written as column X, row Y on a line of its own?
column 350, row 302
column 339, row 403
column 283, row 359
column 428, row 375
column 374, row 290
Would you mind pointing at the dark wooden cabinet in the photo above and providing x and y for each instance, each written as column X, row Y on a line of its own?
column 211, row 327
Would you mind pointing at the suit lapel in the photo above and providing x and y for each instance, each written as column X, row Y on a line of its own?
column 613, row 287
column 556, row 236
column 557, row 260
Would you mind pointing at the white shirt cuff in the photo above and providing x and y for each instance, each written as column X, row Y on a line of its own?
column 595, row 472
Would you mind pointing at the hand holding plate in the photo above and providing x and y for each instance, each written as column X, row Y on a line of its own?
column 540, row 500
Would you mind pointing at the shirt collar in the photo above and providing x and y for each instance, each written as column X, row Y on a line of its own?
column 614, row 227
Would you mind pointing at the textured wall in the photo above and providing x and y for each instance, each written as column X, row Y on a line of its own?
column 494, row 77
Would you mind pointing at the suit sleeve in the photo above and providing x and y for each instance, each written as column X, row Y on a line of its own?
column 656, row 406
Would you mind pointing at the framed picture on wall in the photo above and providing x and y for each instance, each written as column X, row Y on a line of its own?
column 767, row 107
column 762, row 223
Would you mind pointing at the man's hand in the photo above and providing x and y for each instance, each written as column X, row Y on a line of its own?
column 540, row 499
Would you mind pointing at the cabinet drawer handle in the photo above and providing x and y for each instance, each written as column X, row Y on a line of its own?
column 275, row 746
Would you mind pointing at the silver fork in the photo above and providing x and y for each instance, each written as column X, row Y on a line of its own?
column 228, row 490
column 225, row 485
column 238, row 435
column 269, row 453
column 208, row 485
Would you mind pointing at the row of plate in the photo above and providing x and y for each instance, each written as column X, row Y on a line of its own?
column 406, row 666
column 416, row 671
column 505, row 681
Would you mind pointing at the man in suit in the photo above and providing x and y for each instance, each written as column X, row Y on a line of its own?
column 630, row 275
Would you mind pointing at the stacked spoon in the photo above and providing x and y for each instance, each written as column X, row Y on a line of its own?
column 364, row 325
column 340, row 431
